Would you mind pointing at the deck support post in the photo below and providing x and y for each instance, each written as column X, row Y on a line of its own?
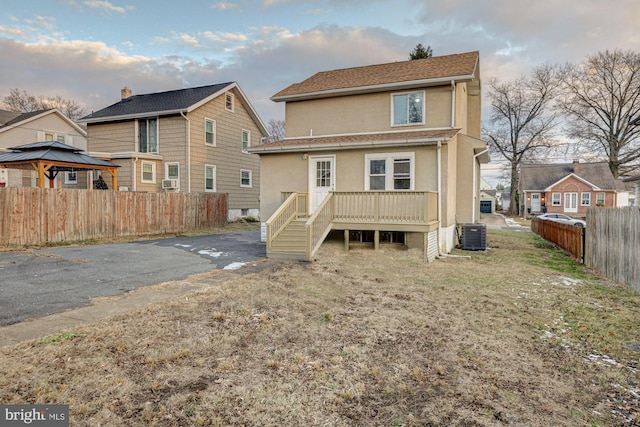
column 346, row 240
column 376, row 240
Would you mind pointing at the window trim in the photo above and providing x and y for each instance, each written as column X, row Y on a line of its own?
column 584, row 202
column 424, row 110
column 214, row 131
column 229, row 98
column 153, row 172
column 389, row 176
column 243, row 147
column 250, row 172
column 555, row 202
column 213, row 168
column 69, row 181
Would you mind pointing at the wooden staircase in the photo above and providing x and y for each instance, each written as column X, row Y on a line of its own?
column 291, row 242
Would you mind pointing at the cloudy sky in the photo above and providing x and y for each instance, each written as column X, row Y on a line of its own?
column 87, row 50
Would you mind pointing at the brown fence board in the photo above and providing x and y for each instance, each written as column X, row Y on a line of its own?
column 613, row 244
column 37, row 215
column 569, row 238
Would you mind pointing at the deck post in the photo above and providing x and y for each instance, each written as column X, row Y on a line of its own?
column 346, row 240
column 425, row 246
column 376, row 240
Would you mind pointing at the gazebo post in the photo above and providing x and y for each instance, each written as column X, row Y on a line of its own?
column 40, row 169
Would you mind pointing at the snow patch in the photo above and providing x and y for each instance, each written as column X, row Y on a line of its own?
column 234, row 265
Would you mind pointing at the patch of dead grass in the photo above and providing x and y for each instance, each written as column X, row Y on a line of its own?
column 361, row 338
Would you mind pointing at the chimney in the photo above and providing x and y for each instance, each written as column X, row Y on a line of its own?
column 125, row 93
column 576, row 166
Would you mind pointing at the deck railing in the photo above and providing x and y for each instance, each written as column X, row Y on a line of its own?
column 407, row 210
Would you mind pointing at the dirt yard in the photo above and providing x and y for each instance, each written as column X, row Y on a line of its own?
column 518, row 335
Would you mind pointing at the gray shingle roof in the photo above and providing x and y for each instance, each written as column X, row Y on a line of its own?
column 540, row 177
column 174, row 100
column 51, row 151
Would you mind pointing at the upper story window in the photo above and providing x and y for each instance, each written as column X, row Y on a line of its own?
column 246, row 140
column 210, row 132
column 148, row 136
column 389, row 171
column 229, row 101
column 408, row 108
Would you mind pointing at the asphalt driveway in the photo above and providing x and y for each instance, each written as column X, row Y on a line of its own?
column 38, row 283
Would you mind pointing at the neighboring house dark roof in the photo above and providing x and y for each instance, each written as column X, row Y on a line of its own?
column 7, row 116
column 353, row 141
column 52, row 151
column 399, row 74
column 169, row 102
column 534, row 177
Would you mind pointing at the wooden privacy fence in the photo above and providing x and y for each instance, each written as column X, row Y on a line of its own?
column 568, row 237
column 613, row 244
column 38, row 215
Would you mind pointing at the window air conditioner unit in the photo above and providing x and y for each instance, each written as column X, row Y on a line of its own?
column 474, row 237
column 169, row 184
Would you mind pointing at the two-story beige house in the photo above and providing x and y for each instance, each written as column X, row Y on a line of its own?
column 18, row 129
column 383, row 152
column 189, row 140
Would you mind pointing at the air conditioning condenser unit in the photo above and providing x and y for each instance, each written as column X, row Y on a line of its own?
column 169, row 184
column 474, row 237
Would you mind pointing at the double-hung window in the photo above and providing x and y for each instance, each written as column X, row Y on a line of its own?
column 210, row 132
column 245, row 178
column 71, row 177
column 585, row 199
column 600, row 199
column 246, row 140
column 556, row 199
column 209, row 178
column 148, row 172
column 229, row 101
column 148, row 136
column 390, row 171
column 408, row 108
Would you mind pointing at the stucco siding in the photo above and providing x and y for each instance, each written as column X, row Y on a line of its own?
column 361, row 113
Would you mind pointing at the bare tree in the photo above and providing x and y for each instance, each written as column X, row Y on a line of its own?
column 601, row 99
column 23, row 102
column 522, row 121
column 276, row 129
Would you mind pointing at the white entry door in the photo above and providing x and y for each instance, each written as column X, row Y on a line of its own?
column 571, row 202
column 535, row 202
column 321, row 179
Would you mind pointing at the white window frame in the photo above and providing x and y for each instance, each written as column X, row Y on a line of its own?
column 213, row 168
column 229, row 101
column 157, row 121
column 601, row 197
column 569, row 204
column 168, row 176
column 250, row 176
column 389, row 176
column 585, row 199
column 68, row 180
column 153, row 172
column 213, row 126
column 409, row 123
column 246, row 145
column 556, row 199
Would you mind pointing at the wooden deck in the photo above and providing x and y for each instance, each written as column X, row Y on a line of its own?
column 292, row 234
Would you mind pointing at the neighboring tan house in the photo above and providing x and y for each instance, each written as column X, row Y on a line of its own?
column 17, row 129
column 188, row 140
column 389, row 151
column 569, row 188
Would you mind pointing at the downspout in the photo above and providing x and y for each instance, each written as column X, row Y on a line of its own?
column 135, row 174
column 475, row 189
column 188, row 156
